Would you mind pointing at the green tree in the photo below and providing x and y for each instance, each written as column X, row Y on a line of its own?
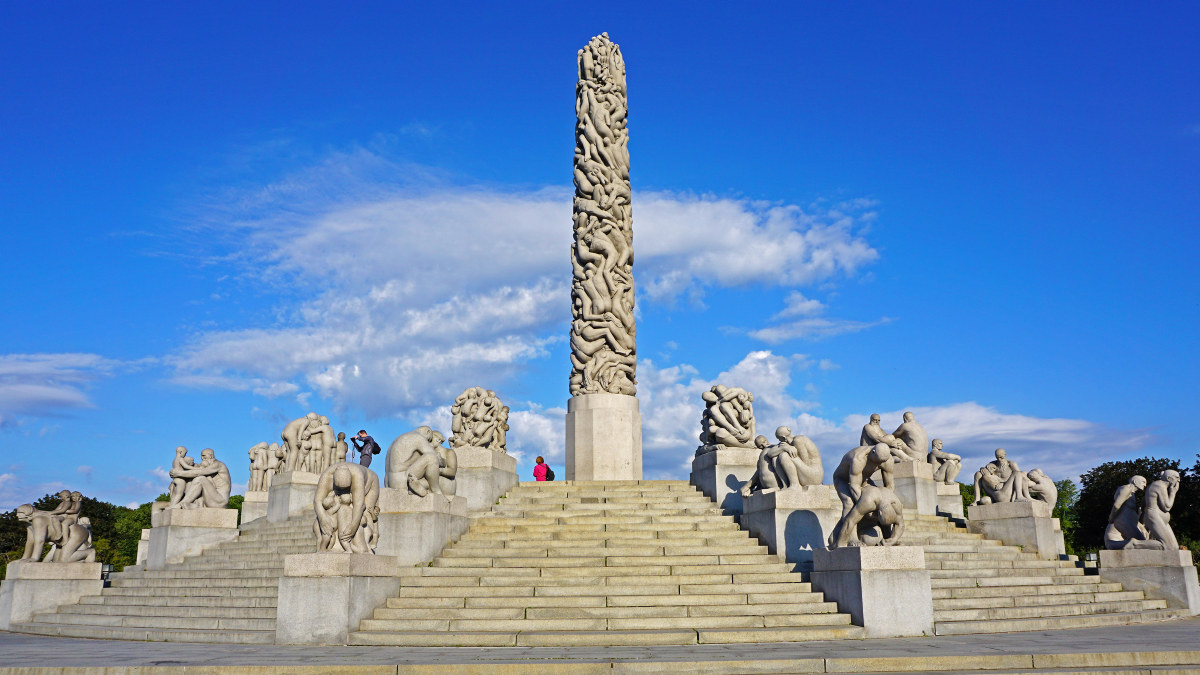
column 1064, row 510
column 967, row 493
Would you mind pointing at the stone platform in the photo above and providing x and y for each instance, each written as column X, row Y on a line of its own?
column 1144, row 649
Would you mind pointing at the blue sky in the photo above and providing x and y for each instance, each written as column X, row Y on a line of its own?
column 218, row 217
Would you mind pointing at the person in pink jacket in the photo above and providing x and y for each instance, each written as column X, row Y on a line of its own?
column 539, row 471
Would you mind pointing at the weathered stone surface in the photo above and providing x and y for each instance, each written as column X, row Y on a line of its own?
column 949, row 500
column 291, row 493
column 484, row 476
column 1020, row 524
column 416, row 529
column 32, row 587
column 792, row 523
column 604, row 437
column 325, row 564
column 317, row 605
column 915, row 487
column 217, row 518
column 254, row 505
column 886, row 590
column 721, row 473
column 1165, row 574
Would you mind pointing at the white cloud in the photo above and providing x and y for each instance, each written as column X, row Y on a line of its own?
column 537, row 432
column 813, row 328
column 47, row 385
column 409, row 289
column 797, row 305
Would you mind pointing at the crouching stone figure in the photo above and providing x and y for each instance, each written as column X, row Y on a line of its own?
column 346, row 506
column 877, row 518
column 430, row 467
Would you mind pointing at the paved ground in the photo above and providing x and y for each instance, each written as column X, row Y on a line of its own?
column 18, row 650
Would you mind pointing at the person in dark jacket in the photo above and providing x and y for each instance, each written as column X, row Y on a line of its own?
column 366, row 446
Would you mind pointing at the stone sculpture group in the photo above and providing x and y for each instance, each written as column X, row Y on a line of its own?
column 69, row 534
column 603, row 333
column 265, row 460
column 347, row 509
column 310, row 444
column 1131, row 526
column 203, row 485
column 479, row 420
column 419, row 460
column 1001, row 480
column 728, row 419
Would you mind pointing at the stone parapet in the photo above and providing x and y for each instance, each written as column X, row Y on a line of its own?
column 722, row 472
column 884, row 589
column 949, row 501
column 1169, row 575
column 604, row 437
column 794, row 522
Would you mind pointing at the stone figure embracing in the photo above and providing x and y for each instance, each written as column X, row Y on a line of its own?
column 418, row 459
column 193, row 486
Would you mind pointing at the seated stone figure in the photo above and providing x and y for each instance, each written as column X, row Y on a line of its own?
column 418, row 459
column 793, row 462
column 876, row 519
column 1125, row 528
column 1039, row 487
column 913, row 438
column 946, row 465
column 206, row 485
column 1160, row 498
column 1000, row 481
column 728, row 419
column 873, row 434
column 347, row 509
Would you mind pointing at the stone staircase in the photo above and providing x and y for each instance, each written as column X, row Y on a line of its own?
column 603, row 563
column 227, row 594
column 982, row 586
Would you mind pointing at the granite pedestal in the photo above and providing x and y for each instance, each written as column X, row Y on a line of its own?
column 915, row 486
column 143, row 549
column 254, row 505
column 604, row 437
column 793, row 522
column 32, row 587
column 484, row 476
column 324, row 596
column 180, row 533
column 416, row 529
column 949, row 501
column 720, row 474
column 1025, row 524
column 884, row 589
column 291, row 493
column 1169, row 575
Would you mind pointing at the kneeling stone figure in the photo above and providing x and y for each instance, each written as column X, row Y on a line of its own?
column 347, row 511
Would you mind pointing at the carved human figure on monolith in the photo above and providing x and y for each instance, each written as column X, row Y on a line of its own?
column 793, row 462
column 1000, row 480
column 418, row 460
column 946, row 465
column 855, row 470
column 913, row 437
column 1039, row 487
column 479, row 420
column 728, row 419
column 205, row 485
column 603, row 332
column 1160, row 498
column 875, row 519
column 258, row 467
column 346, row 508
column 1125, row 528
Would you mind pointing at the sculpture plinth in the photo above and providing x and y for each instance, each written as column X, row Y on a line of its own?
column 793, row 522
column 180, row 533
column 324, row 596
column 720, row 474
column 884, row 589
column 1169, row 575
column 31, row 587
column 416, row 529
column 254, row 505
column 1026, row 524
column 484, row 475
column 915, row 486
column 604, row 437
column 291, row 493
